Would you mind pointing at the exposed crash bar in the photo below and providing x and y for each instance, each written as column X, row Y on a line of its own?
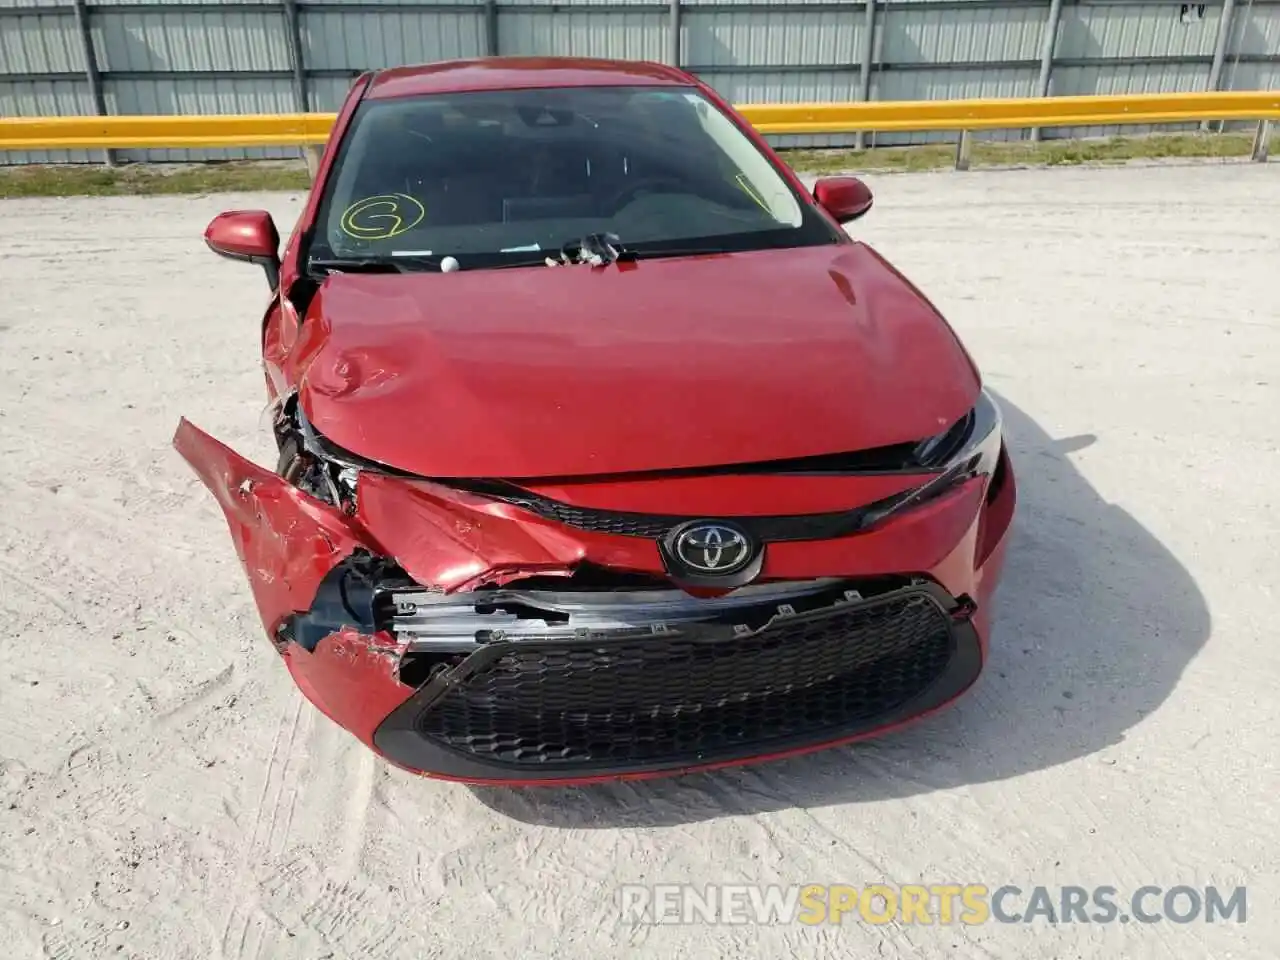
column 430, row 621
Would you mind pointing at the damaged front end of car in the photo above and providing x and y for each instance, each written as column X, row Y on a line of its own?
column 480, row 631
column 326, row 547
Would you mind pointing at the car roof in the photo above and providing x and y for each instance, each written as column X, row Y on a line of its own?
column 508, row 73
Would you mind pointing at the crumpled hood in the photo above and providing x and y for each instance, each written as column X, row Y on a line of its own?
column 657, row 365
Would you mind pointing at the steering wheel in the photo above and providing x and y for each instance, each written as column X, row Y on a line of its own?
column 642, row 186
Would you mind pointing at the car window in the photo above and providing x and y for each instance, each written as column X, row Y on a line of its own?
column 501, row 175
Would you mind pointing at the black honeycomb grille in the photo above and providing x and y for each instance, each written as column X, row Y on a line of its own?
column 674, row 696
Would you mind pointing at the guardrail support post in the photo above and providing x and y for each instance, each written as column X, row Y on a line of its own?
column 1219, row 55
column 293, row 26
column 1048, row 44
column 673, row 34
column 313, row 153
column 91, row 73
column 1261, row 142
column 491, row 27
column 864, row 65
column 297, row 62
column 963, row 148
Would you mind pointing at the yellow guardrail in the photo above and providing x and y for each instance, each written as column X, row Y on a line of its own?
column 233, row 130
column 887, row 116
column 263, row 130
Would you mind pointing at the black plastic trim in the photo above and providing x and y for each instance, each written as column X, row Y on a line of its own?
column 765, row 529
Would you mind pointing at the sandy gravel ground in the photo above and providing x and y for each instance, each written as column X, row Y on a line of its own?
column 166, row 793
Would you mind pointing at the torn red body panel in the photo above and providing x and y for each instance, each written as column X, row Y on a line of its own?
column 288, row 542
column 453, row 540
column 286, row 539
column 706, row 500
column 351, row 678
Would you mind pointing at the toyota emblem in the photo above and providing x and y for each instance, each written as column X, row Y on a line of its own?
column 714, row 549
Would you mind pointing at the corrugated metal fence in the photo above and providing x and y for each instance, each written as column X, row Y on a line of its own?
column 268, row 56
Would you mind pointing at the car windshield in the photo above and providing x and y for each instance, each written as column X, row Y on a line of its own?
column 509, row 176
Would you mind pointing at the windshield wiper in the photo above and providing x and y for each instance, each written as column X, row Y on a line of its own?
column 574, row 256
column 597, row 249
column 373, row 264
column 354, row 265
column 680, row 252
column 600, row 249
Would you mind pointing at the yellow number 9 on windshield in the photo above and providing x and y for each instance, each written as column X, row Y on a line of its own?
column 382, row 217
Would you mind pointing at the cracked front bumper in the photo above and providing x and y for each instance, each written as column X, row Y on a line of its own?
column 504, row 672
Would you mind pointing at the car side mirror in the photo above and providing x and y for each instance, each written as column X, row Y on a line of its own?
column 247, row 235
column 845, row 198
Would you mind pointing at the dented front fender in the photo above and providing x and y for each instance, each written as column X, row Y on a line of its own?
column 288, row 543
column 445, row 539
column 306, row 562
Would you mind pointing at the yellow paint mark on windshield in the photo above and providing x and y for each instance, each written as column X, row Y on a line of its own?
column 382, row 217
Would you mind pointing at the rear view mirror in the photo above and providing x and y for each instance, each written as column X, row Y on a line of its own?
column 247, row 235
column 845, row 198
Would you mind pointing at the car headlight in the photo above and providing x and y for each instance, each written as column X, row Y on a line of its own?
column 968, row 448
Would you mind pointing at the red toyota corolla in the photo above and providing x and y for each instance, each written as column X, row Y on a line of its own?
column 604, row 451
